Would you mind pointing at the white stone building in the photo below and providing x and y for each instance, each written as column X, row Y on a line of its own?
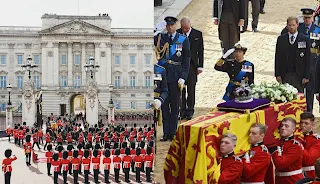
column 61, row 48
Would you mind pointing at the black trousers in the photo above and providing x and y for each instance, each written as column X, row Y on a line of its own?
column 96, row 175
column 70, row 168
column 116, row 174
column 255, row 13
column 75, row 176
column 126, row 174
column 86, row 176
column 228, row 31
column 262, row 3
column 293, row 79
column 132, row 166
column 106, row 176
column 55, row 177
column 36, row 143
column 138, row 174
column 148, row 174
column 310, row 87
column 9, row 137
column 28, row 158
column 16, row 140
column 7, row 178
column 45, row 145
column 65, row 176
column 188, row 95
column 170, row 109
column 48, row 168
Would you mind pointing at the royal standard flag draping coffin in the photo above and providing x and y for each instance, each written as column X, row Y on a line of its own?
column 193, row 156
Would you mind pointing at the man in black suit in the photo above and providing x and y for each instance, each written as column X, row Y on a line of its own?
column 196, row 66
column 292, row 58
column 229, row 15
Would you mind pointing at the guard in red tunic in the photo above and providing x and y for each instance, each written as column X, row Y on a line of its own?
column 117, row 164
column 311, row 143
column 98, row 148
column 80, row 139
column 142, row 153
column 75, row 166
column 80, row 155
column 89, row 138
column 126, row 160
column 35, row 138
column 97, row 138
column 114, row 137
column 48, row 155
column 69, row 137
column 8, row 132
column 16, row 134
column 56, row 167
column 86, row 166
column 231, row 165
column 70, row 153
column 21, row 136
column 115, row 147
column 48, row 139
column 59, row 138
column 96, row 165
column 133, row 154
column 288, row 157
column 106, row 164
column 60, row 149
column 106, row 137
column 6, row 165
column 121, row 137
column 149, row 163
column 132, row 136
column 27, row 150
column 138, row 160
column 257, row 160
column 140, row 136
column 65, row 166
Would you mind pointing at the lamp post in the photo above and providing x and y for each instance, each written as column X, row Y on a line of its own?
column 9, row 88
column 91, row 67
column 29, row 66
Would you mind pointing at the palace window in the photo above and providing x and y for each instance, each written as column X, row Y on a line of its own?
column 147, row 58
column 3, row 81
column 3, row 107
column 133, row 105
column 132, row 59
column 148, row 105
column 117, row 105
column 132, row 81
column 63, row 59
column 117, row 81
column 36, row 59
column 148, row 81
column 77, row 81
column 77, row 59
column 20, row 81
column 64, row 81
column 36, row 80
column 3, row 59
column 117, row 60
column 19, row 58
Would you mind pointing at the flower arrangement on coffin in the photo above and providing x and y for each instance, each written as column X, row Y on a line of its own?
column 275, row 92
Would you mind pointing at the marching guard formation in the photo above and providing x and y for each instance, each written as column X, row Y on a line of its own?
column 96, row 150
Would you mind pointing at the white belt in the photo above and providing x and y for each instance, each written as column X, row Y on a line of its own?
column 308, row 168
column 252, row 182
column 291, row 173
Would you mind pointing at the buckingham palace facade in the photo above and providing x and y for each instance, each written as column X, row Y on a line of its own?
column 62, row 47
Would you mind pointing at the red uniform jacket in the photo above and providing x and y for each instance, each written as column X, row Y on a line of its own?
column 27, row 147
column 65, row 164
column 60, row 155
column 59, row 138
column 97, row 138
column 75, row 163
column 35, row 137
column 86, row 163
column 231, row 169
column 80, row 139
column 15, row 133
column 96, row 163
column 143, row 152
column 138, row 161
column 6, row 164
column 69, row 138
column 256, row 169
column 48, row 137
column 149, row 160
column 89, row 137
column 21, row 134
column 106, row 162
column 126, row 161
column 8, row 131
column 116, row 162
column 70, row 155
column 56, row 166
column 105, row 137
column 290, row 160
column 49, row 156
column 80, row 154
column 310, row 153
column 316, row 182
column 132, row 153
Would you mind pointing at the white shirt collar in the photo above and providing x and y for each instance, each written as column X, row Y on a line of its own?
column 295, row 35
column 188, row 33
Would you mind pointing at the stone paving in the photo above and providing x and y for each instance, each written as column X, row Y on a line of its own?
column 261, row 49
column 37, row 173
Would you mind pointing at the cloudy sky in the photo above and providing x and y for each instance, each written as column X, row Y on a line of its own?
column 124, row 13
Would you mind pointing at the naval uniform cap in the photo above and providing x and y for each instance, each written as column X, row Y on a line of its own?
column 307, row 12
column 240, row 47
column 170, row 20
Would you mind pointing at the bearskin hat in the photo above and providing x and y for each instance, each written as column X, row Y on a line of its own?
column 138, row 151
column 95, row 153
column 55, row 157
column 49, row 147
column 127, row 151
column 70, row 147
column 117, row 152
column 8, row 153
column 86, row 153
column 75, row 154
column 142, row 144
column 132, row 145
column 124, row 145
column 149, row 150
column 65, row 155
column 28, row 138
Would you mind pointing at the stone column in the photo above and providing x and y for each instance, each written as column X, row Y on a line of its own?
column 108, row 75
column 91, row 97
column 70, row 64
column 28, row 104
column 9, row 116
column 56, row 63
column 11, row 63
column 44, row 64
column 111, row 112
column 84, row 60
column 100, row 74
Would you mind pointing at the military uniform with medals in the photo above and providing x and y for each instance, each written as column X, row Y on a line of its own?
column 173, row 53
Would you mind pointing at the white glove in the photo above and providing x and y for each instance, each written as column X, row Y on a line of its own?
column 157, row 103
column 228, row 53
column 181, row 82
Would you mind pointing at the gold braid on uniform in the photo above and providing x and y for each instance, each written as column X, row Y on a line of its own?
column 160, row 52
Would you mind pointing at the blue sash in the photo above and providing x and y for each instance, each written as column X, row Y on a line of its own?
column 172, row 50
column 239, row 77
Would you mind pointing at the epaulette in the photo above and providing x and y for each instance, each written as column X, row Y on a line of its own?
column 316, row 136
column 264, row 148
column 236, row 158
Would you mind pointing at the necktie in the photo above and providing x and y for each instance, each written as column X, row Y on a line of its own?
column 292, row 38
column 307, row 30
column 171, row 37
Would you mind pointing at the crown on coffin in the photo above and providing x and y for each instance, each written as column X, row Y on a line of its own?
column 243, row 93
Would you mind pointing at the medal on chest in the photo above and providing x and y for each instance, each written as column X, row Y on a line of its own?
column 178, row 49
